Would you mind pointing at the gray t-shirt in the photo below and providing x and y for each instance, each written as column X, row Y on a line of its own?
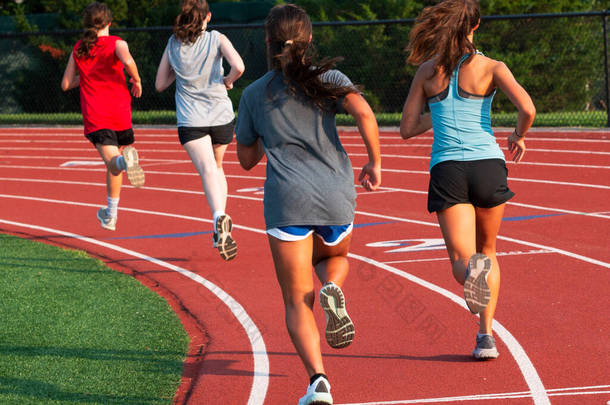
column 310, row 180
column 201, row 96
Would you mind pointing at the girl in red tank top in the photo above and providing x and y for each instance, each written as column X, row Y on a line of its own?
column 96, row 66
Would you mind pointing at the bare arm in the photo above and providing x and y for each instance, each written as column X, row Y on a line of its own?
column 122, row 52
column 413, row 122
column 505, row 81
column 356, row 105
column 233, row 59
column 250, row 155
column 165, row 73
column 71, row 79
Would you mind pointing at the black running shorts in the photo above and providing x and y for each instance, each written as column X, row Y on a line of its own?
column 220, row 134
column 481, row 183
column 111, row 137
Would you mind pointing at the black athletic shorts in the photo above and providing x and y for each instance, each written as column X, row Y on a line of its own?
column 220, row 134
column 481, row 183
column 111, row 137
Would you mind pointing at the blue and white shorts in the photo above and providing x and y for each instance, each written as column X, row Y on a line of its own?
column 331, row 235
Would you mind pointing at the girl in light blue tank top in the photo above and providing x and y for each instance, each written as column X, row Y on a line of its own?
column 468, row 178
column 193, row 59
column 462, row 124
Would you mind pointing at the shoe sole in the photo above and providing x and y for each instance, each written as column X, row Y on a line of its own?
column 326, row 401
column 226, row 244
column 476, row 290
column 135, row 174
column 339, row 327
column 110, row 227
column 484, row 354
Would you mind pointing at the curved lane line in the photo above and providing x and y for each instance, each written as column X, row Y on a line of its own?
column 260, row 381
column 525, row 365
column 518, row 241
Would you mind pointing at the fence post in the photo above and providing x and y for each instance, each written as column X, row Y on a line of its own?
column 604, row 23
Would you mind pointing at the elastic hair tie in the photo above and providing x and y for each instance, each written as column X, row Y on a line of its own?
column 288, row 42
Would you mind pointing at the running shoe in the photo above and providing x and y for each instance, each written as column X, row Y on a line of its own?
column 107, row 221
column 135, row 174
column 223, row 240
column 485, row 348
column 476, row 290
column 318, row 393
column 339, row 326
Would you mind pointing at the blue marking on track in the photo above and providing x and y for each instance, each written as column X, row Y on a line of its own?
column 373, row 224
column 524, row 218
column 168, row 235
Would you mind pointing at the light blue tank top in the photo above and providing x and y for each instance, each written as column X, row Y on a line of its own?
column 462, row 124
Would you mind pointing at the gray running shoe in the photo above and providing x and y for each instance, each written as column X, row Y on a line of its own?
column 339, row 327
column 107, row 221
column 223, row 240
column 317, row 393
column 476, row 290
column 135, row 174
column 485, row 348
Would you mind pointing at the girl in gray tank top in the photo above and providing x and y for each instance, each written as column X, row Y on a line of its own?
column 289, row 116
column 193, row 58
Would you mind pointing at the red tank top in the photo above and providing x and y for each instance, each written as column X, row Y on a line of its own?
column 104, row 97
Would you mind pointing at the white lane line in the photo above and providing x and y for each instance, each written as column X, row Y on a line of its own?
column 429, row 145
column 529, row 373
column 528, row 370
column 383, row 155
column 517, row 241
column 484, row 397
column 571, row 212
column 381, row 190
column 86, row 183
column 260, row 381
column 357, row 169
column 438, row 259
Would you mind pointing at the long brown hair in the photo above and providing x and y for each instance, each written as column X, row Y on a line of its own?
column 289, row 50
column 96, row 16
column 189, row 23
column 441, row 32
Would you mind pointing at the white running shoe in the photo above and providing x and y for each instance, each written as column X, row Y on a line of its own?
column 222, row 239
column 107, row 221
column 318, row 393
column 485, row 348
column 476, row 290
column 339, row 327
column 135, row 174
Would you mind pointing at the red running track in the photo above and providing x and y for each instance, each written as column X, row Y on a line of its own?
column 414, row 335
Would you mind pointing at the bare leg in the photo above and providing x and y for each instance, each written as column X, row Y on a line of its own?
column 488, row 222
column 293, row 270
column 114, row 175
column 331, row 262
column 458, row 227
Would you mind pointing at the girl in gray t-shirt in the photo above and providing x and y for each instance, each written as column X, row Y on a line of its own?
column 289, row 116
column 193, row 58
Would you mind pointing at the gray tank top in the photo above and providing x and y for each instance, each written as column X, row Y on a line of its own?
column 201, row 96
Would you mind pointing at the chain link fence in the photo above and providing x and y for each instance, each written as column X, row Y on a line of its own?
column 560, row 59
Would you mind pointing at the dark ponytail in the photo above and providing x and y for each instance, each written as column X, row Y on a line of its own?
column 441, row 32
column 96, row 16
column 289, row 50
column 189, row 23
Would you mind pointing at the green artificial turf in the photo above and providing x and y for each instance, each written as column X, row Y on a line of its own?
column 76, row 332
